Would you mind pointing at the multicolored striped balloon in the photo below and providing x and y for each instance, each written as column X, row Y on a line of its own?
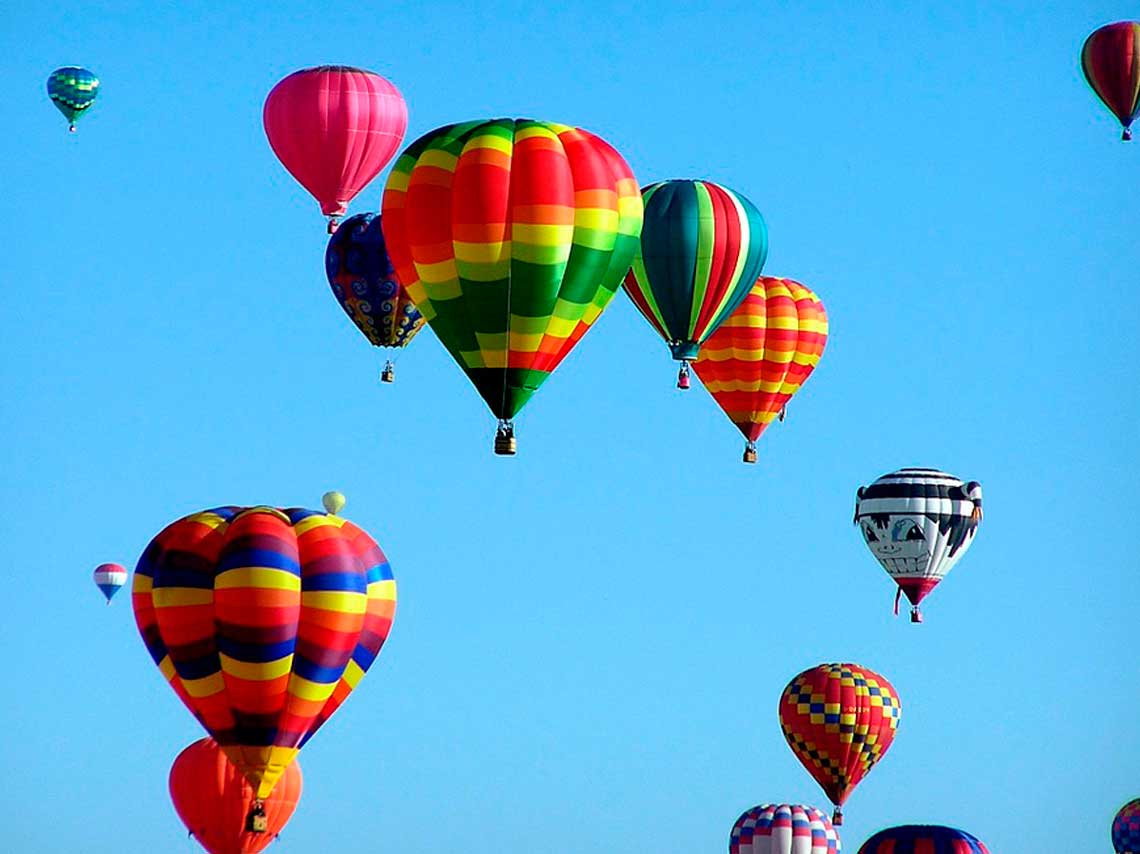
column 214, row 800
column 923, row 839
column 839, row 720
column 762, row 354
column 702, row 247
column 1126, row 829
column 918, row 523
column 511, row 236
column 110, row 578
column 263, row 621
column 1110, row 60
column 365, row 284
column 73, row 90
column 334, row 128
column 783, row 829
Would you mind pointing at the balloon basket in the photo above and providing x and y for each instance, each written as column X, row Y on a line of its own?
column 915, row 615
column 332, row 225
column 388, row 375
column 783, row 412
column 257, row 821
column 505, row 443
column 837, row 817
column 1127, row 135
column 71, row 128
column 683, row 381
column 750, row 454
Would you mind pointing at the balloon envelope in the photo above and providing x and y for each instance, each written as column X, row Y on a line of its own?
column 701, row 249
column 214, row 800
column 263, row 621
column 334, row 128
column 365, row 284
column 1126, row 829
column 1110, row 60
column 918, row 523
column 784, row 829
column 73, row 90
column 923, row 838
column 763, row 353
column 109, row 578
column 511, row 236
column 839, row 720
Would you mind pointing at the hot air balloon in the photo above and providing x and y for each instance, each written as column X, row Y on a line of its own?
column 333, row 502
column 918, row 523
column 217, row 804
column 365, row 284
column 839, row 720
column 783, row 829
column 702, row 247
column 1110, row 59
column 934, row 838
column 334, row 128
column 762, row 354
column 263, row 621
column 110, row 577
column 73, row 90
column 1126, row 829
column 511, row 236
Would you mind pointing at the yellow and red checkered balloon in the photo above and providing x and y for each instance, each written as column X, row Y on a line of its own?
column 839, row 720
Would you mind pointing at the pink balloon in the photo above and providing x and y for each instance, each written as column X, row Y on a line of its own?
column 334, row 128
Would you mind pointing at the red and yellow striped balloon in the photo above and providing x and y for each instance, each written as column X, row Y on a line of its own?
column 263, row 621
column 763, row 353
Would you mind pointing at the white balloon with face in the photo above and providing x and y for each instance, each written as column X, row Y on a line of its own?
column 918, row 523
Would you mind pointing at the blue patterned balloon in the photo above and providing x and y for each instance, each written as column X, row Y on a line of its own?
column 1126, row 829
column 364, row 283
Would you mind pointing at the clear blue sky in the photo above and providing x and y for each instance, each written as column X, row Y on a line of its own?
column 592, row 637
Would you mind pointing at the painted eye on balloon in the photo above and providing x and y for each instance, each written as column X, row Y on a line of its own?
column 870, row 534
column 906, row 530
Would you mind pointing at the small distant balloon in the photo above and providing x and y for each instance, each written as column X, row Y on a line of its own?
column 1110, row 60
column 333, row 501
column 73, row 91
column 110, row 578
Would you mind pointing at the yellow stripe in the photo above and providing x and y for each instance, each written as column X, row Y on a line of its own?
column 142, row 584
column 495, row 142
column 439, row 158
column 440, row 273
column 178, row 597
column 542, row 234
column 341, row 601
column 352, row 674
column 532, row 131
column 383, row 589
column 207, row 686
column 307, row 690
column 317, row 521
column 256, row 671
column 257, row 576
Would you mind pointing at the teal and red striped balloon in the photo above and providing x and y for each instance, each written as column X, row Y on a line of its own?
column 702, row 247
column 263, row 621
column 923, row 839
column 1110, row 60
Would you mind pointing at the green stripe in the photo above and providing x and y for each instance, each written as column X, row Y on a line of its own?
column 706, row 245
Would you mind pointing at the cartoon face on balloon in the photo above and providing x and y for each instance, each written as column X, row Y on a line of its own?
column 906, row 543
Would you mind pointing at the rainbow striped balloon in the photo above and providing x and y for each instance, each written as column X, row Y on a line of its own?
column 763, row 354
column 263, row 621
column 702, row 247
column 511, row 236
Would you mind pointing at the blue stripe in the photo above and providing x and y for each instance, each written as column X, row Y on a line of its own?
column 315, row 673
column 348, row 582
column 243, row 556
column 255, row 653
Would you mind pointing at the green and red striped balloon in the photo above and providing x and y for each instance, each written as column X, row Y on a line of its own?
column 702, row 247
column 511, row 236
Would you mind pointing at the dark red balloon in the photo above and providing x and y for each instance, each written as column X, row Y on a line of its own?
column 1111, row 62
column 334, row 128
